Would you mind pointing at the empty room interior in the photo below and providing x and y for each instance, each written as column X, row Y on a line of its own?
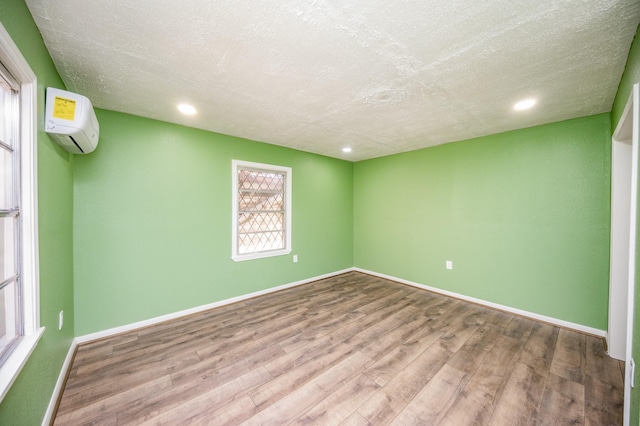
column 319, row 212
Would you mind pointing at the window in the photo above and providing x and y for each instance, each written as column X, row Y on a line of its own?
column 10, row 315
column 261, row 210
column 19, row 321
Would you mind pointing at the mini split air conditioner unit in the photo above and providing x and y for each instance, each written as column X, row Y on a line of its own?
column 71, row 121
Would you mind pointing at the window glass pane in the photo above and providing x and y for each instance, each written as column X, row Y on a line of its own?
column 4, row 115
column 260, row 180
column 7, row 247
column 260, row 241
column 261, row 222
column 261, row 211
column 8, row 316
column 251, row 200
column 6, row 174
column 8, row 114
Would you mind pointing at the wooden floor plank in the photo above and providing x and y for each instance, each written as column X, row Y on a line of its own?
column 226, row 366
column 105, row 410
column 603, row 402
column 599, row 364
column 385, row 404
column 440, row 392
column 475, row 404
column 562, row 403
column 394, row 338
column 107, row 384
column 458, row 333
column 136, row 369
column 232, row 414
column 322, row 327
column 341, row 404
column 352, row 350
column 355, row 420
column 520, row 329
column 387, row 367
column 203, row 403
column 520, row 398
column 313, row 349
column 540, row 347
column 469, row 357
column 285, row 326
column 501, row 320
column 281, row 385
column 297, row 401
column 569, row 357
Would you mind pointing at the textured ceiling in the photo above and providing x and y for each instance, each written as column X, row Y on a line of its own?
column 380, row 76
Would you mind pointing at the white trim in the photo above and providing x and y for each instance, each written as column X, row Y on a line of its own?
column 620, row 239
column 29, row 207
column 140, row 324
column 235, row 164
column 9, row 52
column 635, row 93
column 66, row 366
column 629, row 379
column 16, row 64
column 537, row 317
column 259, row 254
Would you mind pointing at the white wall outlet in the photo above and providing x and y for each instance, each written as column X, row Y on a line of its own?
column 60, row 320
column 449, row 264
column 295, row 258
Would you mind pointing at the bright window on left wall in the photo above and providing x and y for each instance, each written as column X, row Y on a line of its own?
column 19, row 283
column 10, row 241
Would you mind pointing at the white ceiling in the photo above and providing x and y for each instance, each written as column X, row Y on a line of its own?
column 380, row 76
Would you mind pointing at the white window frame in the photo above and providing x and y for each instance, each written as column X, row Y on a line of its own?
column 14, row 62
column 235, row 166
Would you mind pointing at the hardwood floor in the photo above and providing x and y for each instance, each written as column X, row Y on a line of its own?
column 348, row 350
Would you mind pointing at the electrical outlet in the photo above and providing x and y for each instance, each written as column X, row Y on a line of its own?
column 449, row 264
column 295, row 258
column 60, row 320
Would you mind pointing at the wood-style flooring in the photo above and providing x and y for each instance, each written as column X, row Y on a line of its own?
column 348, row 350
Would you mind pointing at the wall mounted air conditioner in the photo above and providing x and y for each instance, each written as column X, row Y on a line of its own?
column 71, row 121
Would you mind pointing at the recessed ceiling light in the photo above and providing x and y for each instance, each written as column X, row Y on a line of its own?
column 347, row 149
column 524, row 104
column 187, row 109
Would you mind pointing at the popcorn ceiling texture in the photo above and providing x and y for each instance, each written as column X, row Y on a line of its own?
column 381, row 76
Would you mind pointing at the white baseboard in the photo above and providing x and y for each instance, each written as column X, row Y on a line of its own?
column 538, row 317
column 555, row 321
column 48, row 415
column 136, row 325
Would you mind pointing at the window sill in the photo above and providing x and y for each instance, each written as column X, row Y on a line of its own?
column 260, row 255
column 18, row 358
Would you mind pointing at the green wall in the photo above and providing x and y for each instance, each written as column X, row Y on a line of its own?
column 152, row 221
column 523, row 215
column 26, row 402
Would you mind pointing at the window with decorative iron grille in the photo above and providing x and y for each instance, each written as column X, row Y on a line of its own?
column 262, row 210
